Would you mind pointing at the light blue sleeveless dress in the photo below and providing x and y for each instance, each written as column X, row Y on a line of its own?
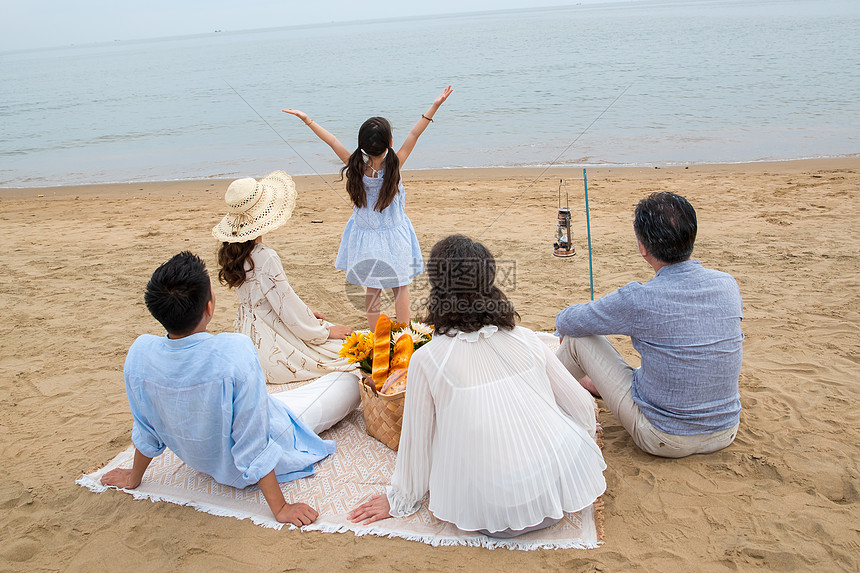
column 380, row 250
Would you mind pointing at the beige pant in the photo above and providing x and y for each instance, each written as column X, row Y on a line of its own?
column 511, row 533
column 324, row 402
column 595, row 357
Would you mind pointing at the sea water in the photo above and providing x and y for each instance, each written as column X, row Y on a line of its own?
column 638, row 83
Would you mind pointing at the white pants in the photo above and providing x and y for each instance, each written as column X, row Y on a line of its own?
column 325, row 401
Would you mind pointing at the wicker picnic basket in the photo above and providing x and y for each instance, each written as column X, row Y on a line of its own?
column 383, row 413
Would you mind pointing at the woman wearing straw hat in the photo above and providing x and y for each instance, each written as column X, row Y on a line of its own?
column 293, row 342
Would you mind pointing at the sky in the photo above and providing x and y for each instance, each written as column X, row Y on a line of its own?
column 27, row 24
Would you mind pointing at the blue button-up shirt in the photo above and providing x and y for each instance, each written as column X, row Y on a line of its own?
column 686, row 325
column 204, row 397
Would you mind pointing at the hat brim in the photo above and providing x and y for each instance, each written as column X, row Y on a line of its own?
column 272, row 211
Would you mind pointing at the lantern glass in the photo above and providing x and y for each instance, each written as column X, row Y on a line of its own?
column 563, row 246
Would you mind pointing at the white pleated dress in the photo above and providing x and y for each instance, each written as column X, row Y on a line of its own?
column 292, row 344
column 498, row 431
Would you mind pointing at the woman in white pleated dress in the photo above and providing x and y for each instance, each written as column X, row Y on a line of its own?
column 495, row 428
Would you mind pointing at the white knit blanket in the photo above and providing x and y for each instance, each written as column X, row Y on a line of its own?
column 361, row 467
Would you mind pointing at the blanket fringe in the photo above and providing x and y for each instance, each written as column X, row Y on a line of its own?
column 91, row 484
column 268, row 522
column 598, row 503
column 438, row 541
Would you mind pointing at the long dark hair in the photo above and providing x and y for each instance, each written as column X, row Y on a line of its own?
column 463, row 295
column 231, row 262
column 374, row 137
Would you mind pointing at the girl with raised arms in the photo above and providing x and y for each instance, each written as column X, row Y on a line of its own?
column 379, row 248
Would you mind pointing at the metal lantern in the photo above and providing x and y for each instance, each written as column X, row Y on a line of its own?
column 563, row 246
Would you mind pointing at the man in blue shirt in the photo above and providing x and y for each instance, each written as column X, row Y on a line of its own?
column 686, row 325
column 204, row 397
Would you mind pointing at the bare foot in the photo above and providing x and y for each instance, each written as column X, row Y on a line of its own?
column 586, row 383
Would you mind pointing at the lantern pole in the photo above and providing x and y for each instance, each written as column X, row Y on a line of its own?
column 588, row 228
column 587, row 224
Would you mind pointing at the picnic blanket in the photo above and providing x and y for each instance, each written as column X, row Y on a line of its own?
column 361, row 467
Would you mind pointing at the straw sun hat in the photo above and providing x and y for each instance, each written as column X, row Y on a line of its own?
column 256, row 207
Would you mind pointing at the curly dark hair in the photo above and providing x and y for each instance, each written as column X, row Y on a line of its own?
column 463, row 296
column 177, row 293
column 231, row 262
column 666, row 226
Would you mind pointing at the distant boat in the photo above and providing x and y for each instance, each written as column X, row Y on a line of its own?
column 216, row 31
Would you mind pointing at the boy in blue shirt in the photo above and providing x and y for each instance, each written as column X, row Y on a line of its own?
column 204, row 397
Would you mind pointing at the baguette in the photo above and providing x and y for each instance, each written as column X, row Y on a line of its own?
column 381, row 351
column 396, row 381
column 403, row 349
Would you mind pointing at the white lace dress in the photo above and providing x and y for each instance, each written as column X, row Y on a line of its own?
column 292, row 344
column 498, row 431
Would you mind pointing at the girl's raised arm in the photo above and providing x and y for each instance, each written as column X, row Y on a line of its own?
column 339, row 149
column 420, row 126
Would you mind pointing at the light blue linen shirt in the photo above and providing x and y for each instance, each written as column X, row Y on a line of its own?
column 685, row 323
column 204, row 397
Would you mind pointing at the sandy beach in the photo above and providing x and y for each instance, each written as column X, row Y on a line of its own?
column 783, row 497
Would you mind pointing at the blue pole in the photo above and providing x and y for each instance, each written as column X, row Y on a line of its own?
column 588, row 227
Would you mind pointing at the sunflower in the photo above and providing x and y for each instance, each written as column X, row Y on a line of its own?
column 357, row 346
